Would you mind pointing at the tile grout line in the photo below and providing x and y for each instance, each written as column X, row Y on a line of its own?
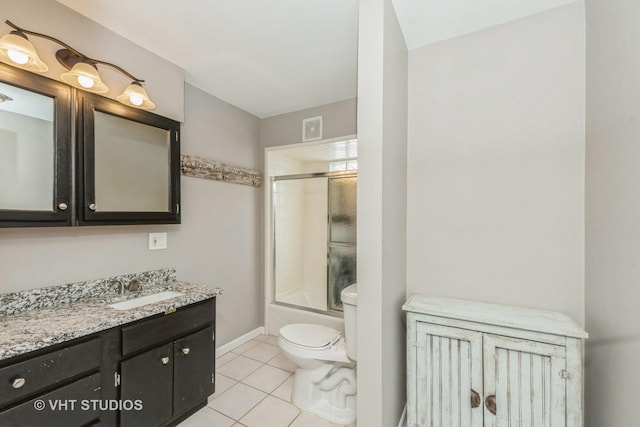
column 266, row 394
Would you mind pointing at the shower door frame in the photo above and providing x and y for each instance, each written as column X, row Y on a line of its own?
column 274, row 179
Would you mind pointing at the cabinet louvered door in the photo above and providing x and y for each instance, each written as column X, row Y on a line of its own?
column 523, row 382
column 448, row 390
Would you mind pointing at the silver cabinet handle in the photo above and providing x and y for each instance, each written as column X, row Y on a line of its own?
column 185, row 350
column 92, row 206
column 63, row 206
column 165, row 360
column 18, row 382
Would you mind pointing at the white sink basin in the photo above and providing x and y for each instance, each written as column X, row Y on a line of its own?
column 149, row 299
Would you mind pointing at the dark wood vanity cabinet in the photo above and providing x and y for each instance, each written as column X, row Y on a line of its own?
column 174, row 372
column 152, row 372
column 168, row 380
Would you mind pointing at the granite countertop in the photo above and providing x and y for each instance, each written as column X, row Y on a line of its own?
column 36, row 325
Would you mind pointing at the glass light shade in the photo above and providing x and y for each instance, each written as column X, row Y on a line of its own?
column 135, row 96
column 85, row 76
column 17, row 51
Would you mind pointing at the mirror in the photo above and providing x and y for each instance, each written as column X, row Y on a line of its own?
column 35, row 150
column 132, row 164
column 26, row 150
column 129, row 165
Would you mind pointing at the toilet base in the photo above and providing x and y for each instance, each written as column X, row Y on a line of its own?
column 328, row 392
column 324, row 410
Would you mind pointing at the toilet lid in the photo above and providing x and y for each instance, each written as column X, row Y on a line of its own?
column 308, row 335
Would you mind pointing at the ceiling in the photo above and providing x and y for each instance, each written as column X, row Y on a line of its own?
column 266, row 57
column 270, row 57
column 425, row 22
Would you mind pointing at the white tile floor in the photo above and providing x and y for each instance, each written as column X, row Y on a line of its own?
column 253, row 389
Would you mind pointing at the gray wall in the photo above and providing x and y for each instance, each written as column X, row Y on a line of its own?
column 164, row 80
column 613, row 209
column 338, row 119
column 382, row 200
column 217, row 243
column 496, row 164
column 219, row 239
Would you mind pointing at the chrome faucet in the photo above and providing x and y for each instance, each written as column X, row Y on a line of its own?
column 134, row 285
column 121, row 286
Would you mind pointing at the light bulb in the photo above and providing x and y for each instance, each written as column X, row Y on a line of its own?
column 136, row 99
column 85, row 81
column 17, row 56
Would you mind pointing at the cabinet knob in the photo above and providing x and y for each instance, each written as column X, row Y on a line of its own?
column 165, row 360
column 475, row 399
column 18, row 382
column 185, row 350
column 490, row 402
column 63, row 206
column 92, row 206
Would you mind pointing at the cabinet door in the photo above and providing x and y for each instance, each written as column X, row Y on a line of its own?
column 523, row 382
column 193, row 367
column 129, row 165
column 148, row 378
column 445, row 377
column 35, row 150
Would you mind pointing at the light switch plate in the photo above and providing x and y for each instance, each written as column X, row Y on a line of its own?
column 157, row 241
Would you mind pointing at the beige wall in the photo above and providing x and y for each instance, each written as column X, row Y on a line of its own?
column 496, row 164
column 164, row 80
column 338, row 119
column 382, row 144
column 217, row 243
column 613, row 209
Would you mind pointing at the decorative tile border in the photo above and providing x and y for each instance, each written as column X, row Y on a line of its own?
column 37, row 299
column 199, row 167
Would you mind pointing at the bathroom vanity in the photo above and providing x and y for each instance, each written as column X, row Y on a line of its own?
column 473, row 364
column 86, row 363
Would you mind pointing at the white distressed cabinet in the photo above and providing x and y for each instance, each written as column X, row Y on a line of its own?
column 472, row 364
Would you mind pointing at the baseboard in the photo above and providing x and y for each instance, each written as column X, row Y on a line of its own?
column 223, row 349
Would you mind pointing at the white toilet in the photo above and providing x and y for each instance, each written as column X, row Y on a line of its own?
column 325, row 379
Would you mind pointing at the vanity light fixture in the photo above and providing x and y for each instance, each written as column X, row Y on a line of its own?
column 16, row 50
column 135, row 96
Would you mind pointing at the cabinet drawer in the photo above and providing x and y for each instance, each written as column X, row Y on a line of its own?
column 152, row 332
column 26, row 378
column 62, row 407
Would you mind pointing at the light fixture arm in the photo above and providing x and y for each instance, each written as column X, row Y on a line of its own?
column 76, row 53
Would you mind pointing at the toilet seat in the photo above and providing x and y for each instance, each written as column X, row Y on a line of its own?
column 310, row 337
column 317, row 342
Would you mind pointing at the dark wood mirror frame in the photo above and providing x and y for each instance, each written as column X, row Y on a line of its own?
column 61, row 213
column 88, row 104
column 75, row 108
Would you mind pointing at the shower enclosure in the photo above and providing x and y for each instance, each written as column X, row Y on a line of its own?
column 314, row 239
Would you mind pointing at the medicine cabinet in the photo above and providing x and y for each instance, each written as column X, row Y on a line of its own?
column 126, row 168
column 129, row 167
column 35, row 150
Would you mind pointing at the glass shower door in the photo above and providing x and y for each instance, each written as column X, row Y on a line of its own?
column 342, row 237
column 300, row 242
column 314, row 232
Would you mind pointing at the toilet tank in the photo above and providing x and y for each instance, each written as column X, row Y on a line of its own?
column 349, row 297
